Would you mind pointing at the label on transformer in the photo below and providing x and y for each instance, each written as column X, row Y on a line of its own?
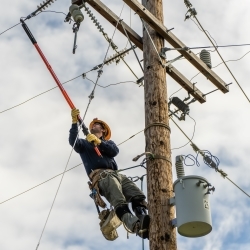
column 206, row 204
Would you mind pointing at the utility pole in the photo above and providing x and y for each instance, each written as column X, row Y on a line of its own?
column 162, row 236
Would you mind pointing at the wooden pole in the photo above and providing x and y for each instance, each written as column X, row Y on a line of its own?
column 159, row 171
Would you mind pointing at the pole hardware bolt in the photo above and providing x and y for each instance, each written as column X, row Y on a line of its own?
column 199, row 183
column 207, row 185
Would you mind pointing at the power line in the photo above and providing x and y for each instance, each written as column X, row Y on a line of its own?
column 192, row 135
column 40, row 184
column 231, row 60
column 130, row 137
column 112, row 84
column 9, row 28
column 132, row 47
column 37, row 95
column 90, row 99
column 207, row 47
column 100, row 71
column 57, row 12
column 224, row 175
column 223, row 60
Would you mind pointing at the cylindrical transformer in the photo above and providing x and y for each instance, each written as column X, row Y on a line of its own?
column 193, row 210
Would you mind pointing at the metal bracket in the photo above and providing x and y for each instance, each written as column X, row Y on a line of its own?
column 75, row 29
column 140, row 81
column 171, row 61
column 172, row 201
column 173, row 222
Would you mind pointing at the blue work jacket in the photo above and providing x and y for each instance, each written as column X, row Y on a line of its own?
column 90, row 159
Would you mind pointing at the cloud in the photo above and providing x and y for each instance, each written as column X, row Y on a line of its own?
column 34, row 136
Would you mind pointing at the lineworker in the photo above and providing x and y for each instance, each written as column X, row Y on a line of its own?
column 115, row 187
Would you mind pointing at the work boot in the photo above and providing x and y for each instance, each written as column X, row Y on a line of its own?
column 142, row 228
column 129, row 220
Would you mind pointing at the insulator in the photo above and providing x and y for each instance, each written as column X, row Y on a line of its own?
column 206, row 58
column 179, row 166
column 188, row 4
column 45, row 4
column 76, row 13
column 180, row 105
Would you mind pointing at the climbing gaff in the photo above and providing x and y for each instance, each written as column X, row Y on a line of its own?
column 67, row 98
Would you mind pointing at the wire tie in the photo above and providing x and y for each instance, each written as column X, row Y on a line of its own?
column 162, row 158
column 159, row 125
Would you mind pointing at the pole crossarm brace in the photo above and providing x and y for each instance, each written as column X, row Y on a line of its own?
column 137, row 40
column 176, row 43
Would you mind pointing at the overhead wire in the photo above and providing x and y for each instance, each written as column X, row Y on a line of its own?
column 37, row 95
column 130, row 138
column 223, row 60
column 52, row 205
column 231, row 60
column 145, row 27
column 100, row 71
column 130, row 21
column 9, row 28
column 120, row 170
column 192, row 135
column 132, row 46
column 42, row 93
column 112, row 84
column 39, row 184
column 114, row 47
column 224, row 175
column 90, row 99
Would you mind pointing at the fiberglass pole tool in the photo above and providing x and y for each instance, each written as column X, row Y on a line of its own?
column 34, row 42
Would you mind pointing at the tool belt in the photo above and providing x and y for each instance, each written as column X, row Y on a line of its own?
column 109, row 220
column 94, row 177
column 109, row 223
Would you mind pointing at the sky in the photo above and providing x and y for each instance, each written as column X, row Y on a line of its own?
column 34, row 135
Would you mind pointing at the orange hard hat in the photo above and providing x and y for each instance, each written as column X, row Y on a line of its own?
column 107, row 134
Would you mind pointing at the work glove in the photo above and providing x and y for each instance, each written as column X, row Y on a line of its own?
column 74, row 113
column 93, row 138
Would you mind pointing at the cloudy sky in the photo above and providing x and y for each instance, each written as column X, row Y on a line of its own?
column 34, row 135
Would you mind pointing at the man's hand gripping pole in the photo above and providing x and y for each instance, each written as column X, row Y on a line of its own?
column 72, row 106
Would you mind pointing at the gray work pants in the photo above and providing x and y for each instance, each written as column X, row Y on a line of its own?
column 119, row 190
